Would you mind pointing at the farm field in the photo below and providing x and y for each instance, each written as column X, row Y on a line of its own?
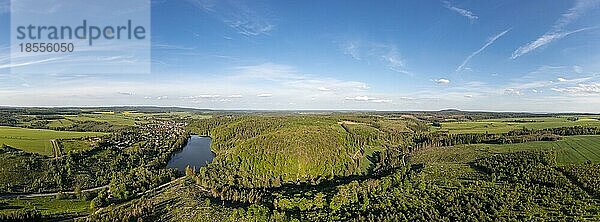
column 569, row 150
column 50, row 205
column 443, row 164
column 112, row 118
column 66, row 121
column 37, row 140
column 508, row 124
column 75, row 145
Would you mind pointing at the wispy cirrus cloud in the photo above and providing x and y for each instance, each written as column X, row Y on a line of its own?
column 557, row 32
column 393, row 59
column 351, row 48
column 464, row 12
column 576, row 80
column 489, row 42
column 237, row 15
column 290, row 77
column 386, row 54
column 580, row 89
column 543, row 40
column 30, row 62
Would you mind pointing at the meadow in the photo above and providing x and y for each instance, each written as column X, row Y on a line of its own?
column 507, row 124
column 37, row 140
column 50, row 205
column 568, row 150
column 452, row 164
column 128, row 119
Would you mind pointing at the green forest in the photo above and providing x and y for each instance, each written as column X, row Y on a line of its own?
column 111, row 164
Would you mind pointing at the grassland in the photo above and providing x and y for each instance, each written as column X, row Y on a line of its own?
column 508, row 124
column 37, row 140
column 75, row 145
column 573, row 149
column 443, row 164
column 569, row 150
column 49, row 205
column 114, row 119
column 66, row 121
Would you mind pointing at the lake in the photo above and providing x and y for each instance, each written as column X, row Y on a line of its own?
column 196, row 153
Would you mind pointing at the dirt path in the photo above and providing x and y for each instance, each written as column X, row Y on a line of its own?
column 56, row 149
column 30, row 195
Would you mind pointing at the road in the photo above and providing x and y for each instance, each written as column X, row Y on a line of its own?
column 30, row 195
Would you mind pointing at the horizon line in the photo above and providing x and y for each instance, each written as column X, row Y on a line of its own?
column 303, row 110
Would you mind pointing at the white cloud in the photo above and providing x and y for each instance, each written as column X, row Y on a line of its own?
column 511, row 91
column 368, row 99
column 442, row 81
column 208, row 96
column 489, row 42
column 360, row 98
column 533, row 84
column 557, row 32
column 324, row 89
column 126, row 93
column 382, row 100
column 284, row 84
column 576, row 80
column 264, row 95
column 464, row 12
column 468, row 96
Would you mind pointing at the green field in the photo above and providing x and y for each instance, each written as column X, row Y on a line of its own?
column 114, row 119
column 448, row 165
column 50, row 205
column 573, row 149
column 75, row 145
column 508, row 124
column 569, row 150
column 60, row 123
column 37, row 140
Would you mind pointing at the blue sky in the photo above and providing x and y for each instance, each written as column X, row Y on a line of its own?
column 375, row 55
